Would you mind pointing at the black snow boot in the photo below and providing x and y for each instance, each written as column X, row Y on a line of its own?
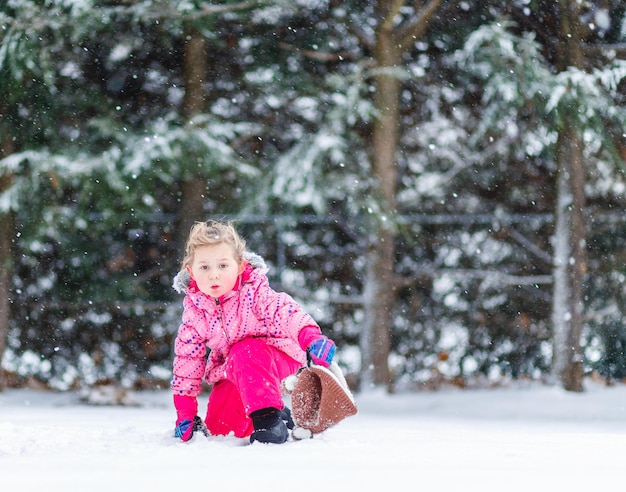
column 269, row 426
column 285, row 414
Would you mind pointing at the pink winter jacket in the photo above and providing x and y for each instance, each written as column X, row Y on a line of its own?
column 251, row 309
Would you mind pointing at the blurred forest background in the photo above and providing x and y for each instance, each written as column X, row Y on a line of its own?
column 440, row 183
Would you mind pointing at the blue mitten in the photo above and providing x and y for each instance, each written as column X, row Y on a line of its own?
column 322, row 351
column 184, row 430
column 186, row 410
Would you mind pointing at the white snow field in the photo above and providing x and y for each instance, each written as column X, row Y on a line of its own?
column 521, row 438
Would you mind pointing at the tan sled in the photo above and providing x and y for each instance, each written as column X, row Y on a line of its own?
column 320, row 398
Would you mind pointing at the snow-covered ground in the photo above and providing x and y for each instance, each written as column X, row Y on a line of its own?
column 520, row 438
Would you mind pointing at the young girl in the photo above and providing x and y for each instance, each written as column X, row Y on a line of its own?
column 256, row 337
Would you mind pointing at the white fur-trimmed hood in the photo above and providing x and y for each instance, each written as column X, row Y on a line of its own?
column 182, row 278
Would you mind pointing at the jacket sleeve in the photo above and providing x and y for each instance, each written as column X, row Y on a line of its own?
column 189, row 358
column 283, row 316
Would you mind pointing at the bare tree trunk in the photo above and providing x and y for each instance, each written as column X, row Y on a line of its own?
column 6, row 257
column 193, row 188
column 5, row 278
column 381, row 251
column 194, row 72
column 570, row 263
column 569, row 269
column 561, row 287
column 392, row 41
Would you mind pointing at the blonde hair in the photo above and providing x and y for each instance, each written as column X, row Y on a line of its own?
column 213, row 232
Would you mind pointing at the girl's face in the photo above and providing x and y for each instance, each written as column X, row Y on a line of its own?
column 215, row 269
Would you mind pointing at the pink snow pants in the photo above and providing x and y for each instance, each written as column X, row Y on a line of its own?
column 254, row 372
